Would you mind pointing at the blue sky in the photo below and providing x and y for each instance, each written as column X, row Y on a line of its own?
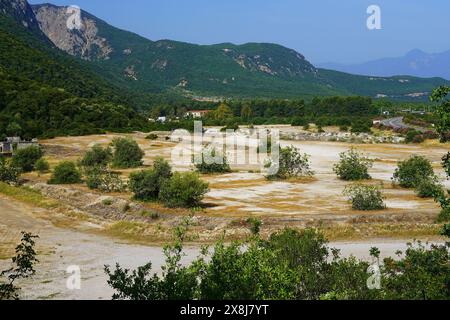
column 322, row 30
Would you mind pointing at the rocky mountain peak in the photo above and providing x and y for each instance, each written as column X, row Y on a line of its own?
column 83, row 41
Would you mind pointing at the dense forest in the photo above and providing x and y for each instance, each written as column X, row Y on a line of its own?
column 43, row 92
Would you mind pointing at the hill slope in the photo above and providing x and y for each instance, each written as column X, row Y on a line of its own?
column 262, row 70
column 415, row 63
column 44, row 92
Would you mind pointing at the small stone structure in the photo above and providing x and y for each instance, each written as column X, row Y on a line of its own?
column 11, row 144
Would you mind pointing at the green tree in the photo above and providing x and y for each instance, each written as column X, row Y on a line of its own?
column 146, row 184
column 26, row 158
column 127, row 154
column 9, row 173
column 24, row 262
column 65, row 173
column 442, row 112
column 365, row 197
column 223, row 112
column 183, row 190
column 353, row 166
column 97, row 157
column 246, row 112
column 42, row 166
column 291, row 164
column 410, row 172
column 212, row 161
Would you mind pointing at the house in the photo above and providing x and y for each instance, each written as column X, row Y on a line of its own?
column 197, row 114
column 12, row 144
column 162, row 119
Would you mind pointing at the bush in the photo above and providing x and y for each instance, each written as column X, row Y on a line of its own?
column 26, row 158
column 146, row 184
column 97, row 157
column 9, row 173
column 291, row 164
column 65, row 173
column 444, row 215
column 183, row 190
column 42, row 166
column 255, row 225
column 365, row 197
column 212, row 161
column 430, row 188
column 105, row 181
column 353, row 166
column 410, row 172
column 127, row 154
column 152, row 136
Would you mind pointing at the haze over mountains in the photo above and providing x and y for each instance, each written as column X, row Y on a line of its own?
column 264, row 70
column 415, row 63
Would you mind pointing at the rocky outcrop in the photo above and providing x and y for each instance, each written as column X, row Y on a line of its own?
column 83, row 42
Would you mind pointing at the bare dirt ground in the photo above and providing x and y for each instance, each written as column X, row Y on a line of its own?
column 79, row 228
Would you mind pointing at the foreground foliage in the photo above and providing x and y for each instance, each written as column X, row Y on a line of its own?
column 23, row 267
column 289, row 265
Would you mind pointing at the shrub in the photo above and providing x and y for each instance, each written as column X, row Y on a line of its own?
column 183, row 190
column 97, row 157
column 291, row 164
column 429, row 188
column 212, row 161
column 42, row 166
column 353, row 166
column 255, row 225
column 26, row 158
column 107, row 202
column 104, row 180
column 444, row 215
column 146, row 184
column 343, row 129
column 410, row 172
column 365, row 197
column 9, row 173
column 65, row 173
column 127, row 154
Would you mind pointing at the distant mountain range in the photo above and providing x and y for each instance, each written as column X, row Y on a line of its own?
column 415, row 63
column 262, row 70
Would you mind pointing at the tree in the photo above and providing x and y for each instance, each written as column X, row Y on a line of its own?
column 23, row 268
column 364, row 197
column 183, row 190
column 9, row 173
column 146, row 184
column 65, row 173
column 97, row 157
column 223, row 112
column 442, row 112
column 291, row 164
column 246, row 112
column 127, row 154
column 42, row 166
column 26, row 158
column 410, row 172
column 353, row 166
column 212, row 161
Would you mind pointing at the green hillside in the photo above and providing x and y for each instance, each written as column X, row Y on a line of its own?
column 45, row 92
column 226, row 70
